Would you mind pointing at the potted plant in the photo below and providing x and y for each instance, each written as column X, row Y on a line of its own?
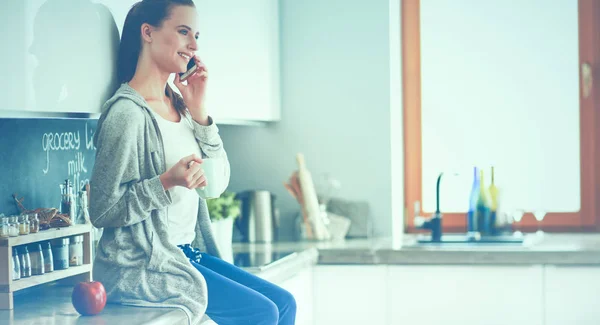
column 223, row 211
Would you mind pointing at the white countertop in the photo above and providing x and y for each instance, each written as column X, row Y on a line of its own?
column 50, row 304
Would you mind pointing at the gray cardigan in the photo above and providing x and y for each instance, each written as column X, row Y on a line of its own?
column 134, row 259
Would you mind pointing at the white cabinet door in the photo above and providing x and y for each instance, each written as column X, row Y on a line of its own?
column 476, row 295
column 572, row 295
column 239, row 43
column 350, row 295
column 301, row 286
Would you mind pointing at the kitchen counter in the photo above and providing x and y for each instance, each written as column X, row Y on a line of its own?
column 50, row 304
column 557, row 249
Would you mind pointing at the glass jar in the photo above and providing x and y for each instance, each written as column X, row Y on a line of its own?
column 25, row 261
column 60, row 252
column 16, row 265
column 4, row 227
column 13, row 226
column 37, row 259
column 23, row 225
column 34, row 223
column 76, row 251
column 48, row 258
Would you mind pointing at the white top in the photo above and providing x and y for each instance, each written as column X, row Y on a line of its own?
column 179, row 141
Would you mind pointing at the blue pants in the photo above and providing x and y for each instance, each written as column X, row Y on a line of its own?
column 237, row 297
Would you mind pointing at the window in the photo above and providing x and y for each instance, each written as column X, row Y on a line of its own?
column 493, row 83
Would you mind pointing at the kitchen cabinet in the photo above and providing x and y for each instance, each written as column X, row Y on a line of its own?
column 301, row 287
column 239, row 43
column 59, row 57
column 350, row 294
column 571, row 295
column 462, row 294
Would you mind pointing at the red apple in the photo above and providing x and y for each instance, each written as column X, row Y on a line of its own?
column 89, row 298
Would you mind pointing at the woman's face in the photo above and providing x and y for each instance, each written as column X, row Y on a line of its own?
column 174, row 43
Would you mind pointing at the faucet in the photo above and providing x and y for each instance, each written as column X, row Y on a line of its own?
column 434, row 223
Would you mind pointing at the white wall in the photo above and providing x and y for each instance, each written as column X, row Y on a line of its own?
column 335, row 108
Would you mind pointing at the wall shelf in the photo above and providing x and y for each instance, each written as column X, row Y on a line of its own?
column 74, row 274
column 45, row 235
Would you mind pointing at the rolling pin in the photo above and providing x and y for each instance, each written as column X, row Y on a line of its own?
column 311, row 203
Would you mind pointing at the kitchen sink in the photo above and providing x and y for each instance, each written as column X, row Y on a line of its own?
column 464, row 239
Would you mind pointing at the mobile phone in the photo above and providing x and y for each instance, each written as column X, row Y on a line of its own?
column 191, row 68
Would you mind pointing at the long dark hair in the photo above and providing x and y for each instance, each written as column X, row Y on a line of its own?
column 152, row 12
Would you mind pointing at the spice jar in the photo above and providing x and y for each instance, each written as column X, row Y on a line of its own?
column 60, row 252
column 34, row 223
column 13, row 226
column 37, row 259
column 16, row 265
column 4, row 227
column 76, row 251
column 48, row 259
column 25, row 262
column 23, row 225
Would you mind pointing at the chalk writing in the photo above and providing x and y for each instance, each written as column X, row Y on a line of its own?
column 70, row 141
column 89, row 140
column 57, row 142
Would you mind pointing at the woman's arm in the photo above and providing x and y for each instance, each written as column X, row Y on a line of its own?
column 118, row 195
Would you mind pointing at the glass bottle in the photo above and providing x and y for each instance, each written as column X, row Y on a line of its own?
column 483, row 207
column 48, row 258
column 76, row 250
column 16, row 264
column 13, row 227
column 472, row 226
column 4, row 227
column 493, row 192
column 24, row 225
column 60, row 253
column 34, row 223
column 25, row 262
column 37, row 259
column 67, row 203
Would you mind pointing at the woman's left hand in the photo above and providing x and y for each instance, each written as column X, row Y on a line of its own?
column 193, row 93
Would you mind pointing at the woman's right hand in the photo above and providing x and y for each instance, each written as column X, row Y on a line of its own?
column 187, row 172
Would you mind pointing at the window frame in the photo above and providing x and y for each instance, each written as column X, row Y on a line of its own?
column 588, row 218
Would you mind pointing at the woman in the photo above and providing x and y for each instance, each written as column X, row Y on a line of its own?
column 151, row 143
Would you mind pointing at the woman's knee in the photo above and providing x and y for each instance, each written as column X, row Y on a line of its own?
column 287, row 300
column 269, row 313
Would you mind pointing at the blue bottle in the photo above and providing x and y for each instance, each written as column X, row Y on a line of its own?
column 472, row 212
column 484, row 224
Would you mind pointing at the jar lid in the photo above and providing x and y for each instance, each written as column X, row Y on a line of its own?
column 60, row 241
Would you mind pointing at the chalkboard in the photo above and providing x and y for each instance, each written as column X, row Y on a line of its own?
column 39, row 154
